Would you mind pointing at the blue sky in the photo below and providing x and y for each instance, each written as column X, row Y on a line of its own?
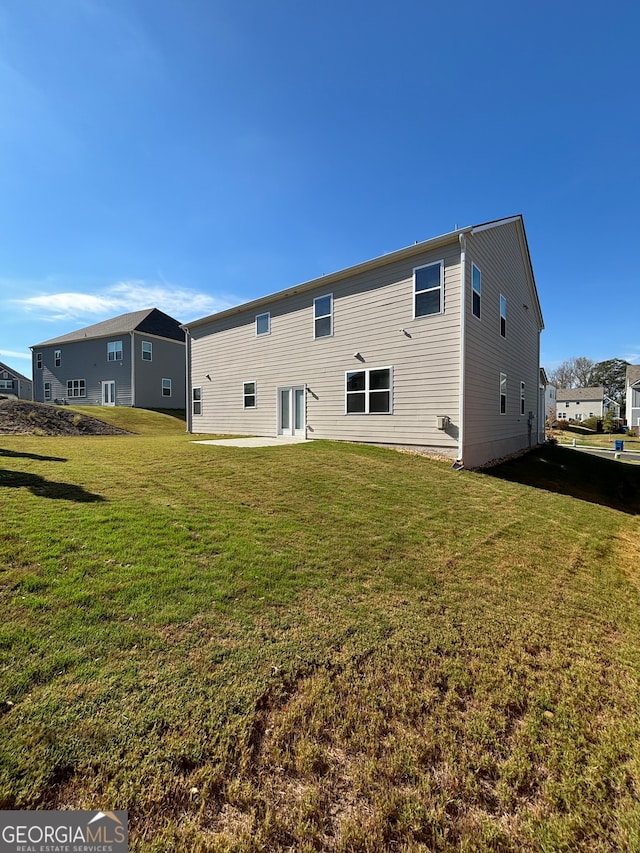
column 194, row 154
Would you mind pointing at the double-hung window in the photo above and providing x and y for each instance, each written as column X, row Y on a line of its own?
column 522, row 398
column 57, row 357
column 427, row 287
column 476, row 284
column 114, row 351
column 503, row 316
column 147, row 351
column 76, row 388
column 368, row 392
column 323, row 316
column 263, row 324
column 503, row 393
column 166, row 387
column 39, row 360
column 249, row 395
column 47, row 390
column 196, row 401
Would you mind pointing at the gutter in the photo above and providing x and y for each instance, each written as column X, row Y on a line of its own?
column 463, row 314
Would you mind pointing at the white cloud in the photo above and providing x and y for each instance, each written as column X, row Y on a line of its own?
column 7, row 353
column 125, row 296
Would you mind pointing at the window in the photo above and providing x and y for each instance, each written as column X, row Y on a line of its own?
column 323, row 316
column 47, row 390
column 475, row 285
column 503, row 393
column 57, row 357
column 522, row 398
column 166, row 387
column 263, row 323
column 114, row 351
column 249, row 393
column 76, row 388
column 6, row 384
column 39, row 360
column 147, row 351
column 562, row 415
column 196, row 400
column 503, row 316
column 427, row 289
column 368, row 392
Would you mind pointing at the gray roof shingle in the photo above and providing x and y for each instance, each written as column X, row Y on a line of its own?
column 151, row 320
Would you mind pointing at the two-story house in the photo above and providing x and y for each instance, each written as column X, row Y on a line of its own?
column 579, row 404
column 14, row 384
column 633, row 395
column 434, row 346
column 135, row 359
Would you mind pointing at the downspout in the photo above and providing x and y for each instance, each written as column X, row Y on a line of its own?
column 463, row 314
column 133, row 369
column 187, row 382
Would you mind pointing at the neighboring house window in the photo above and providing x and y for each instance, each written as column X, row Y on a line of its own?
column 263, row 324
column 562, row 415
column 249, row 395
column 503, row 393
column 196, row 399
column 166, row 387
column 47, row 390
column 368, row 391
column 427, row 289
column 57, row 356
column 323, row 316
column 476, row 284
column 522, row 398
column 147, row 351
column 114, row 351
column 6, row 384
column 39, row 360
column 76, row 388
column 503, row 316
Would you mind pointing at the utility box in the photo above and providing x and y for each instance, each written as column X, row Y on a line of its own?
column 442, row 421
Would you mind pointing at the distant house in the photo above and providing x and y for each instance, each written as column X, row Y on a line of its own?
column 550, row 407
column 433, row 346
column 135, row 359
column 14, row 384
column 578, row 404
column 633, row 395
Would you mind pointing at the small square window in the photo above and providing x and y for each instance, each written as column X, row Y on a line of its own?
column 166, row 387
column 249, row 394
column 323, row 316
column 263, row 324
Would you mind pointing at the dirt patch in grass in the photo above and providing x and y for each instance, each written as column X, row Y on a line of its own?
column 25, row 418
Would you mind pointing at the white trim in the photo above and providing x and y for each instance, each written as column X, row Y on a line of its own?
column 367, row 391
column 254, row 395
column 266, row 314
column 463, row 316
column 322, row 316
column 440, row 287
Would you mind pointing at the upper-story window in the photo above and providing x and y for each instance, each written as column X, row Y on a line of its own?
column 57, row 357
column 39, row 360
column 263, row 323
column 522, row 398
column 147, row 351
column 503, row 316
column 503, row 393
column 114, row 351
column 476, row 283
column 323, row 316
column 428, row 281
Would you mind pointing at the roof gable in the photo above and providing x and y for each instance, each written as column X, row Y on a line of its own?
column 580, row 394
column 151, row 321
column 13, row 373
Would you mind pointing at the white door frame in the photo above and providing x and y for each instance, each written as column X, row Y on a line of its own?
column 292, row 411
column 109, row 392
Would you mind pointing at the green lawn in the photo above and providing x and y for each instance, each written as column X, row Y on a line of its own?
column 320, row 646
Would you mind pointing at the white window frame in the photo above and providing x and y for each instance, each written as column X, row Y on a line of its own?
column 367, row 391
column 266, row 314
column 115, row 354
column 522, row 398
column 47, row 390
column 39, row 360
column 196, row 401
column 6, row 384
column 76, row 388
column 503, row 393
column 503, row 316
column 439, row 287
column 246, row 395
column 317, row 317
column 147, row 351
column 166, row 387
column 476, row 291
column 57, row 357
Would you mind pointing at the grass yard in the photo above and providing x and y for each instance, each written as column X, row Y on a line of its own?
column 320, row 646
column 605, row 440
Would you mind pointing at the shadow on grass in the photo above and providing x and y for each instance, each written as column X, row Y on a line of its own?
column 14, row 454
column 580, row 475
column 46, row 488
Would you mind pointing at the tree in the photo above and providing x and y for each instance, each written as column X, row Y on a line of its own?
column 573, row 373
column 583, row 370
column 609, row 422
column 612, row 375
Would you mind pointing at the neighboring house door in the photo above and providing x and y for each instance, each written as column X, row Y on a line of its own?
column 109, row 393
column 291, row 415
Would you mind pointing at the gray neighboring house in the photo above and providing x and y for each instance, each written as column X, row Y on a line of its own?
column 633, row 395
column 578, row 404
column 14, row 384
column 550, row 408
column 434, row 346
column 135, row 359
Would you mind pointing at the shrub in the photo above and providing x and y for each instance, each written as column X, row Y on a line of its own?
column 590, row 423
column 563, row 424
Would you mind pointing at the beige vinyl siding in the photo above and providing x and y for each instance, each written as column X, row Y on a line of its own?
column 370, row 310
column 500, row 256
